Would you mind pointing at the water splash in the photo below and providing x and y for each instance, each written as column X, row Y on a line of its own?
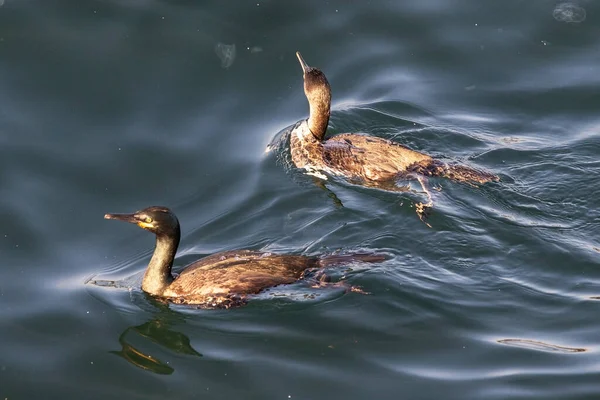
column 569, row 12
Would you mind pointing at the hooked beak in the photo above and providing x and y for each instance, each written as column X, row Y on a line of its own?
column 122, row 217
column 303, row 63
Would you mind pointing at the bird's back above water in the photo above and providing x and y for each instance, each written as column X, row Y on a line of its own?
column 370, row 159
column 239, row 273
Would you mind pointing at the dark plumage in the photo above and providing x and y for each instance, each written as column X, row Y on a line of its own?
column 223, row 279
column 371, row 161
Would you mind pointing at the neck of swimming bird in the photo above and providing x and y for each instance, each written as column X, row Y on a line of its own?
column 158, row 274
column 319, row 118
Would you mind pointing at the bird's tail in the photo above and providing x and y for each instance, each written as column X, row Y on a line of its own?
column 461, row 173
column 337, row 259
column 455, row 172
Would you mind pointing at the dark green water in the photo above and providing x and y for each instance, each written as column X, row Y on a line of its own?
column 111, row 106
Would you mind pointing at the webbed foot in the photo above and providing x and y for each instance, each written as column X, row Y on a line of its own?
column 321, row 280
column 423, row 212
column 424, row 209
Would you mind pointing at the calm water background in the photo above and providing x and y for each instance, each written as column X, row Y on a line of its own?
column 111, row 106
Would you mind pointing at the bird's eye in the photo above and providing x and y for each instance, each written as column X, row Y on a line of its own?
column 144, row 218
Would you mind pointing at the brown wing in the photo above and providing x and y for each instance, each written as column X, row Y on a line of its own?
column 368, row 157
column 238, row 272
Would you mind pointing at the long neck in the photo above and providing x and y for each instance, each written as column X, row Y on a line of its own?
column 158, row 274
column 319, row 117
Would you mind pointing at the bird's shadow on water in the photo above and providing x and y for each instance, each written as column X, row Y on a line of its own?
column 158, row 330
column 138, row 343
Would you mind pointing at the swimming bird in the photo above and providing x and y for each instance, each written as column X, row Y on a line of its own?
column 367, row 160
column 221, row 280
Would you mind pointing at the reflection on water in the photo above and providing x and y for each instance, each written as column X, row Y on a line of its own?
column 322, row 185
column 157, row 331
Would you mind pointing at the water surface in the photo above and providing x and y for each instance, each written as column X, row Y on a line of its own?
column 112, row 106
